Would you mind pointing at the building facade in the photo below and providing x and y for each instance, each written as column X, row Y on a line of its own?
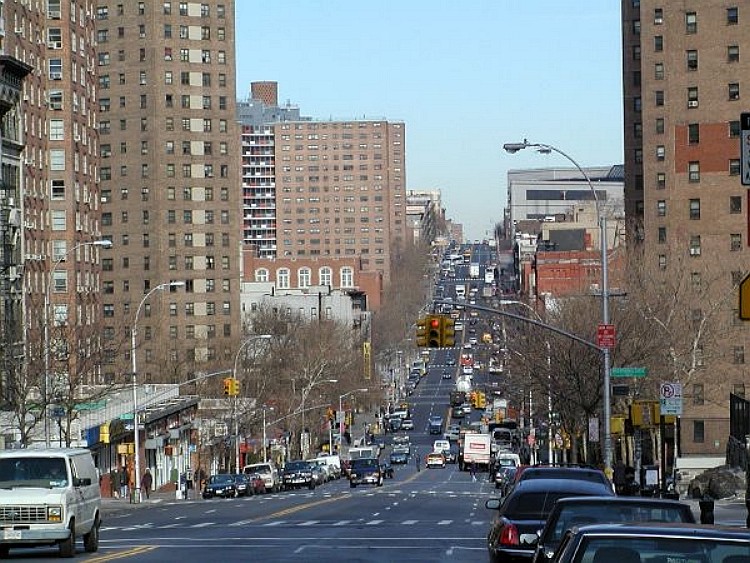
column 169, row 178
column 687, row 210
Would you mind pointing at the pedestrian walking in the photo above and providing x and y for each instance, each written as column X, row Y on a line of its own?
column 474, row 471
column 417, row 461
column 114, row 482
column 124, row 482
column 146, row 482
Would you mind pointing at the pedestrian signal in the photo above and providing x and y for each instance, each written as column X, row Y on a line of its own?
column 422, row 333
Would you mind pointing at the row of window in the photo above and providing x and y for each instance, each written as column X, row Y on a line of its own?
column 199, row 148
column 187, row 124
column 690, row 19
column 304, row 277
column 211, row 309
column 187, row 78
column 189, row 217
column 185, row 32
column 188, row 194
column 735, row 241
column 202, row 56
column 208, row 286
column 108, row 263
column 183, row 9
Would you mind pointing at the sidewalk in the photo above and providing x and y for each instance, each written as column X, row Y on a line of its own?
column 112, row 506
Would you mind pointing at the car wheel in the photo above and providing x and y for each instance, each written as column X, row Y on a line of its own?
column 68, row 546
column 91, row 540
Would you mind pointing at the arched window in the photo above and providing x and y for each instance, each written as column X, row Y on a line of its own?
column 304, row 277
column 282, row 278
column 261, row 275
column 347, row 277
column 326, row 276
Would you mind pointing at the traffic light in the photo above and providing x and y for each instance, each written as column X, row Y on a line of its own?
column 422, row 332
column 447, row 332
column 235, row 387
column 435, row 327
column 227, row 386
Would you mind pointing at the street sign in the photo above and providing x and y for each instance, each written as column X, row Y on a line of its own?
column 745, row 148
column 605, row 335
column 745, row 299
column 628, row 372
column 670, row 399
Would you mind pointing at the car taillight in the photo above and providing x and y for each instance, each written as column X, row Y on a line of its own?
column 509, row 535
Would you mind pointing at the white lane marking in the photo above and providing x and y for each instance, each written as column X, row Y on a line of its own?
column 308, row 523
column 444, row 522
column 342, row 523
column 203, row 525
column 374, row 522
column 276, row 523
column 409, row 522
column 167, row 526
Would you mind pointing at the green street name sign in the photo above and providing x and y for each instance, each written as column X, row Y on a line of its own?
column 628, row 372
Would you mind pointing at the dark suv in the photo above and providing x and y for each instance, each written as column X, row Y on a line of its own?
column 298, row 474
column 366, row 471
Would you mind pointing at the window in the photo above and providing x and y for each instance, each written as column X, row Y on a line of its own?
column 57, row 159
column 694, row 171
column 732, row 16
column 662, row 235
column 658, row 16
column 699, row 433
column 734, row 166
column 735, row 242
column 734, row 129
column 691, row 22
column 659, row 97
column 659, row 125
column 661, row 208
column 735, row 204
column 692, row 96
column 733, row 54
column 695, row 209
column 698, row 396
column 693, row 133
column 695, row 245
column 325, row 275
column 56, row 130
column 734, row 90
column 662, row 261
column 304, row 277
column 347, row 277
column 261, row 275
column 57, row 190
column 660, row 151
column 692, row 60
column 59, row 222
column 282, row 278
column 658, row 44
column 661, row 180
column 739, row 354
column 659, row 71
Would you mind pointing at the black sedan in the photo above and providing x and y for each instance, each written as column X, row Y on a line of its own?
column 639, row 542
column 298, row 474
column 521, row 514
column 399, row 458
column 580, row 511
column 242, row 482
column 222, row 485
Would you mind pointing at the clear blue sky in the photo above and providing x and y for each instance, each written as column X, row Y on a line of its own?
column 465, row 77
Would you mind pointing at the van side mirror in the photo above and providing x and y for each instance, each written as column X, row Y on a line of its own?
column 82, row 482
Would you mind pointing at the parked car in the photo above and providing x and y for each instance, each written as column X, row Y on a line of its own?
column 365, row 471
column 242, row 484
column 580, row 511
column 435, row 459
column 523, row 512
column 503, row 478
column 579, row 473
column 269, row 473
column 299, row 474
column 222, row 485
column 643, row 542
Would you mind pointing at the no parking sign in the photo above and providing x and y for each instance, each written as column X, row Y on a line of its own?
column 670, row 398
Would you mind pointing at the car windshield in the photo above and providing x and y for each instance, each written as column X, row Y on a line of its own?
column 364, row 464
column 682, row 549
column 33, row 472
column 262, row 468
column 297, row 466
column 580, row 514
column 220, row 479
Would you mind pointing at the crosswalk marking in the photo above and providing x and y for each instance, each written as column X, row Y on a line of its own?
column 374, row 522
column 167, row 526
column 276, row 523
column 409, row 522
column 203, row 524
column 444, row 522
column 342, row 523
column 309, row 523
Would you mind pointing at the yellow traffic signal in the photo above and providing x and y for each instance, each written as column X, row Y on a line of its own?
column 227, row 386
column 235, row 387
column 422, row 332
column 447, row 332
column 434, row 326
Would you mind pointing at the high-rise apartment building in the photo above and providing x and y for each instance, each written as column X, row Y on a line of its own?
column 57, row 194
column 317, row 189
column 169, row 177
column 683, row 81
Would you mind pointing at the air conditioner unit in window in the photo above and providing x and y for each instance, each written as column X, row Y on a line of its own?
column 54, row 44
column 695, row 251
column 692, row 103
column 55, row 75
column 19, row 30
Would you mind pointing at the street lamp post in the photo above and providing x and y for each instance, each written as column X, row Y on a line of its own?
column 340, row 413
column 254, row 338
column 546, row 149
column 305, row 393
column 133, row 332
column 47, row 303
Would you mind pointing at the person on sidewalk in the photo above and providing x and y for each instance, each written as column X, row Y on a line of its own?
column 114, row 482
column 146, row 483
column 124, row 482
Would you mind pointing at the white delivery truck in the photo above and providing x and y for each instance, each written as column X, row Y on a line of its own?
column 474, row 270
column 475, row 448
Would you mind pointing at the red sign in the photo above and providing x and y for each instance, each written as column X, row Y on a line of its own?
column 605, row 336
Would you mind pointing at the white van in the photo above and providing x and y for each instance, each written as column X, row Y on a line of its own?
column 48, row 497
column 268, row 472
column 332, row 464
